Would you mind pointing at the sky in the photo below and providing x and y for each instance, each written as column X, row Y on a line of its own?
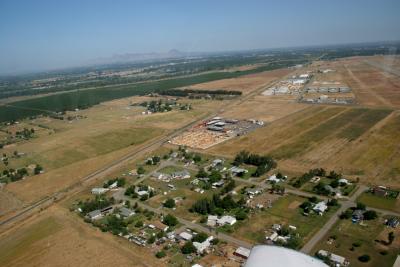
column 40, row 35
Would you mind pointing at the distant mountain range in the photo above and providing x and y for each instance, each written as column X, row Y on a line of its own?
column 132, row 57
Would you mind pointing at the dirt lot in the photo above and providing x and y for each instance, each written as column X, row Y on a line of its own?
column 58, row 238
column 245, row 84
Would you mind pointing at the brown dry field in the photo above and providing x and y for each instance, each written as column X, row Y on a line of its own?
column 265, row 108
column 77, row 149
column 57, row 237
column 374, row 156
column 246, row 84
column 371, row 85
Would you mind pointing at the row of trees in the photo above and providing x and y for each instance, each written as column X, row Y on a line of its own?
column 263, row 163
column 99, row 202
column 217, row 205
column 188, row 92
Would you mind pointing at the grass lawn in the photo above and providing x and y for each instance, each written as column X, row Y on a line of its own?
column 374, row 201
column 284, row 211
column 347, row 234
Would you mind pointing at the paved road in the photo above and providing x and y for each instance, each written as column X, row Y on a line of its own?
column 119, row 195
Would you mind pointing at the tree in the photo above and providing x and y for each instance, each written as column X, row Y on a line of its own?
column 370, row 215
column 156, row 159
column 346, row 214
column 361, row 206
column 121, row 182
column 202, row 173
column 161, row 254
column 197, row 158
column 140, row 170
column 200, row 237
column 151, row 239
column 333, row 202
column 241, row 215
column 188, row 248
column 139, row 224
column 391, row 237
column 169, row 203
column 37, row 169
column 364, row 258
column 170, row 220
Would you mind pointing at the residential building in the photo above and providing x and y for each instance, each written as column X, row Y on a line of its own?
column 242, row 252
column 320, row 207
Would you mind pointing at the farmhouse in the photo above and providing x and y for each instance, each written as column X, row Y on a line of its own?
column 94, row 215
column 338, row 260
column 218, row 184
column 186, row 236
column 320, row 207
column 393, row 222
column 242, row 252
column 273, row 179
column 212, row 220
column 202, row 247
column 181, row 175
column 357, row 216
column 217, row 162
column 160, row 226
column 253, row 191
column 380, row 191
column 99, row 190
column 238, row 171
column 227, row 219
column 125, row 212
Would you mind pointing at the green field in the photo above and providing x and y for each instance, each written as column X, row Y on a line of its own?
column 361, row 124
column 348, row 233
column 284, row 211
column 86, row 98
column 373, row 201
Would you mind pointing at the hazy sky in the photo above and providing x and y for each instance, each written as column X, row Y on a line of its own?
column 38, row 34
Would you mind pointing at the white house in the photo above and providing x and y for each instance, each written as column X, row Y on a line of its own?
column 186, row 236
column 125, row 212
column 113, row 185
column 242, row 252
column 320, row 207
column 99, row 190
column 273, row 179
column 333, row 257
column 226, row 219
column 201, row 247
column 212, row 220
column 95, row 215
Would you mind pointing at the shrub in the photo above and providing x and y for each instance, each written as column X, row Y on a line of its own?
column 364, row 258
column 169, row 203
column 188, row 248
column 200, row 237
column 161, row 254
column 170, row 220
